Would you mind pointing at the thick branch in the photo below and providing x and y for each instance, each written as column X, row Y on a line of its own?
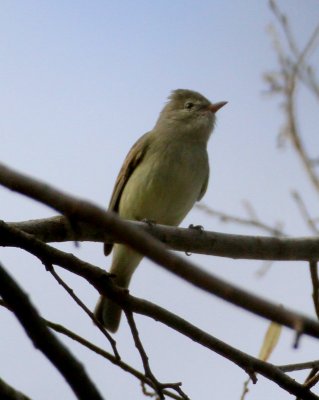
column 57, row 229
column 44, row 340
column 95, row 275
column 145, row 244
column 99, row 279
column 7, row 392
column 89, row 345
column 83, row 211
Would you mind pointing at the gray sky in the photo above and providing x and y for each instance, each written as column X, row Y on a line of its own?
column 80, row 82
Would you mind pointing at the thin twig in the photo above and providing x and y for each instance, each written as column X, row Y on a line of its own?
column 305, row 71
column 252, row 222
column 312, row 381
column 245, row 389
column 291, row 71
column 142, row 352
column 73, row 372
column 305, row 213
column 159, row 387
column 313, row 266
column 85, row 309
column 299, row 366
column 89, row 345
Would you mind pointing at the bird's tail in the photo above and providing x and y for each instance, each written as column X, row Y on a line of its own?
column 125, row 261
column 108, row 313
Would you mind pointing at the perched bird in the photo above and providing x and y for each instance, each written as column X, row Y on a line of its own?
column 163, row 175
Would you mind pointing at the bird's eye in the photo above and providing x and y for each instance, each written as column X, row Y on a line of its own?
column 189, row 105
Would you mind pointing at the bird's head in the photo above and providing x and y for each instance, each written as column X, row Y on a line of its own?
column 189, row 111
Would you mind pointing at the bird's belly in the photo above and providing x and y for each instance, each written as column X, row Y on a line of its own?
column 162, row 191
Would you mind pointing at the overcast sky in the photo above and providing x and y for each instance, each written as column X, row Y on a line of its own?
column 80, row 82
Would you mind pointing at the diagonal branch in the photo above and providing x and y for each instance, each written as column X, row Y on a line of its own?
column 77, row 210
column 44, row 340
column 159, row 387
column 313, row 266
column 7, row 392
column 250, row 364
column 305, row 213
column 97, row 350
column 85, row 309
column 145, row 245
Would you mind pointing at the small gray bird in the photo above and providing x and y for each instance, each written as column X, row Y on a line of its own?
column 163, row 175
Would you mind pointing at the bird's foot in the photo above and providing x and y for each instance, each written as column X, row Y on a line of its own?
column 198, row 228
column 149, row 222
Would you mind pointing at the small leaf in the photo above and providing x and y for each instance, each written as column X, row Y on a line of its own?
column 270, row 341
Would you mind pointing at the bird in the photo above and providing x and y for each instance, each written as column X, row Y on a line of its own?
column 164, row 174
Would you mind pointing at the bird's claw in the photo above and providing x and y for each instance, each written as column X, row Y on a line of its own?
column 198, row 228
column 149, row 222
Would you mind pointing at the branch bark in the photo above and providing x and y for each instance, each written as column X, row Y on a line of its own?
column 44, row 340
column 77, row 210
column 58, row 229
column 7, row 392
column 99, row 279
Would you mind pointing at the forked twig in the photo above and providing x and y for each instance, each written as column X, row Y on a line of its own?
column 78, row 301
column 159, row 387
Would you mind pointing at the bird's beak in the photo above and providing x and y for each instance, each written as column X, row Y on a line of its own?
column 216, row 106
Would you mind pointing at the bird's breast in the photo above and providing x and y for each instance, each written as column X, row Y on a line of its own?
column 166, row 184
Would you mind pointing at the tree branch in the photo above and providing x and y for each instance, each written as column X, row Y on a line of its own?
column 313, row 266
column 293, row 69
column 144, row 244
column 57, row 229
column 44, row 340
column 99, row 279
column 70, row 291
column 83, row 211
column 7, row 392
column 251, row 221
column 89, row 345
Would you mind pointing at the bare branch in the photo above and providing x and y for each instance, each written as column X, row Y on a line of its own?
column 85, row 309
column 159, row 387
column 44, row 340
column 305, row 213
column 252, row 221
column 84, row 211
column 313, row 380
column 293, row 69
column 154, row 250
column 142, row 352
column 248, row 363
column 313, row 265
column 299, row 366
column 7, row 392
column 181, row 239
column 89, row 345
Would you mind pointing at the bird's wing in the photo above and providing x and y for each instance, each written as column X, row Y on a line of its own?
column 132, row 160
column 204, row 187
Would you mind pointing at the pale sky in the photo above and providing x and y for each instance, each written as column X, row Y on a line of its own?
column 80, row 82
